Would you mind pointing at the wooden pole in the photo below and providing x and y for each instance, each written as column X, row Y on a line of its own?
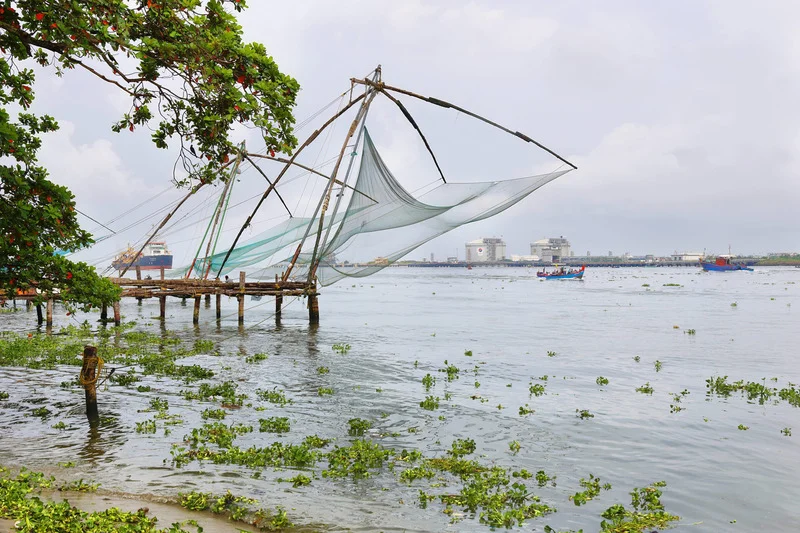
column 28, row 305
column 88, row 378
column 219, row 305
column 313, row 308
column 278, row 301
column 103, row 313
column 117, row 318
column 162, row 300
column 196, row 313
column 208, row 301
column 241, row 297
column 49, row 312
column 139, row 276
column 39, row 318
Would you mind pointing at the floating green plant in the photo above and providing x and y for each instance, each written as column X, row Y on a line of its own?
column 146, row 426
column 275, row 424
column 525, row 410
column 323, row 370
column 428, row 381
column 468, row 353
column 341, row 348
column 658, row 364
column 742, row 427
column 143, row 388
column 358, row 426
column 583, row 414
column 256, row 358
column 514, row 446
column 297, row 481
column 690, row 332
column 59, row 425
column 637, row 358
column 213, row 414
column 3, row 395
column 645, row 389
column 543, row 479
column 551, row 354
column 324, row 391
column 672, row 285
column 648, row 512
column 592, row 486
column 462, row 447
column 601, row 381
column 430, row 403
column 273, row 396
column 786, row 432
column 451, row 371
column 536, row 389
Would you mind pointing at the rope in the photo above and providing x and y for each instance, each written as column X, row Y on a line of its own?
column 85, row 381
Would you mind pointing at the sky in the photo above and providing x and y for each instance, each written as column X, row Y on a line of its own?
column 682, row 118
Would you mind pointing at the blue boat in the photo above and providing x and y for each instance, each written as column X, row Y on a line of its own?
column 155, row 256
column 723, row 264
column 562, row 274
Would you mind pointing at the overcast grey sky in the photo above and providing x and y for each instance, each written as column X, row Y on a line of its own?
column 682, row 116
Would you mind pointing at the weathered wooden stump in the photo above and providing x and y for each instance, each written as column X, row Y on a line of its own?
column 90, row 372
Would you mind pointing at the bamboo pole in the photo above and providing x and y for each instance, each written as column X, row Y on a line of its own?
column 220, row 209
column 382, row 86
column 117, row 317
column 283, row 171
column 241, row 297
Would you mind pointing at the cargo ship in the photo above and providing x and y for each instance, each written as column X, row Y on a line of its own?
column 155, row 256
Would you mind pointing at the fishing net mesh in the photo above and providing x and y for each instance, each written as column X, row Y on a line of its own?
column 381, row 221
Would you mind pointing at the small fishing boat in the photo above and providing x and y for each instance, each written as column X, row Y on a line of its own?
column 562, row 273
column 723, row 264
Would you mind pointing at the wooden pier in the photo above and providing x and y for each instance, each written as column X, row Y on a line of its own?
column 196, row 289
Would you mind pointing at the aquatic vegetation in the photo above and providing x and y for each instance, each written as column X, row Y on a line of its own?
column 274, row 424
column 551, row 354
column 451, row 371
column 734, row 304
column 525, row 410
column 536, row 389
column 79, row 486
column 146, row 426
column 690, row 332
column 592, row 486
column 3, row 395
column 226, row 392
column 236, row 508
column 648, row 513
column 297, row 481
column 672, row 285
column 273, row 396
column 41, row 412
column 742, row 427
column 461, row 447
column 159, row 404
column 543, row 479
column 341, row 348
column 324, row 391
column 256, row 358
column 213, row 414
column 323, row 370
column 786, row 432
column 677, row 397
column 468, row 353
column 637, row 358
column 645, row 389
column 477, row 384
column 59, row 425
column 658, row 364
column 356, row 460
column 430, row 403
column 601, row 381
column 203, row 346
column 216, row 433
column 358, row 426
column 514, row 446
column 313, row 441
column 583, row 414
column 143, row 388
column 124, row 380
column 645, row 284
column 428, row 381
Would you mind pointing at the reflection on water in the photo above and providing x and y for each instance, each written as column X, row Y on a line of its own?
column 403, row 324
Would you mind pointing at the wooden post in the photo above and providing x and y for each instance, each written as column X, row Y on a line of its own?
column 104, row 313
column 196, row 314
column 49, row 312
column 139, row 276
column 219, row 305
column 208, row 300
column 117, row 318
column 241, row 297
column 28, row 305
column 162, row 300
column 278, row 300
column 39, row 318
column 88, row 378
column 313, row 308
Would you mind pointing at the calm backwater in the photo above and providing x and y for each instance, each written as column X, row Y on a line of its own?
column 716, row 473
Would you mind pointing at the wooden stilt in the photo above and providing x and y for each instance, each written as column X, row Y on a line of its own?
column 104, row 313
column 196, row 313
column 208, row 301
column 278, row 306
column 240, row 297
column 39, row 318
column 117, row 317
column 219, row 306
column 313, row 309
column 183, row 301
column 162, row 301
column 139, row 276
column 49, row 312
column 88, row 378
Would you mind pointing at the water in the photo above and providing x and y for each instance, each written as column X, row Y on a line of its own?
column 715, row 472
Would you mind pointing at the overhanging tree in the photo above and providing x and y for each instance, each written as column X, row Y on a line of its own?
column 190, row 77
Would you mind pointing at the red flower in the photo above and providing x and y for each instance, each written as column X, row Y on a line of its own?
column 272, row 153
column 240, row 79
column 39, row 16
column 69, row 275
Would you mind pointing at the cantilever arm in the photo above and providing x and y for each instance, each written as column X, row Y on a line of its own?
column 382, row 86
column 416, row 127
column 246, row 156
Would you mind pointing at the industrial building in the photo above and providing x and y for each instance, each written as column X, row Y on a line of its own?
column 687, row 256
column 486, row 249
column 551, row 249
